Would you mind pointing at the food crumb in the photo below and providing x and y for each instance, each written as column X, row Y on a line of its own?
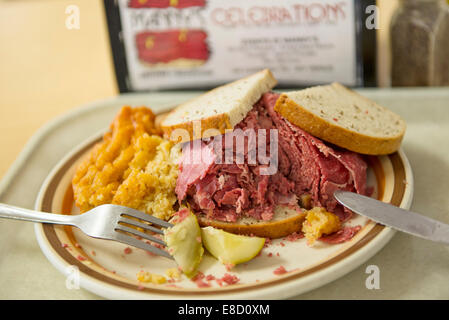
column 210, row 277
column 198, row 280
column 280, row 270
column 147, row 277
column 199, row 275
column 229, row 266
column 81, row 258
column 144, row 276
column 267, row 242
column 200, row 283
column 319, row 222
column 173, row 273
column 158, row 279
column 127, row 250
column 230, row 279
column 294, row 236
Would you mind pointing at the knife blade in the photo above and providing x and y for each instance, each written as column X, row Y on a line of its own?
column 394, row 217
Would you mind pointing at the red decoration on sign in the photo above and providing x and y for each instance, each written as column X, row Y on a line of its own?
column 166, row 46
column 166, row 3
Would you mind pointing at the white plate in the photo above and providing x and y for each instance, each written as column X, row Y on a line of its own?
column 106, row 270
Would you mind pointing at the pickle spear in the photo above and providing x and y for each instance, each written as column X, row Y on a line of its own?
column 184, row 241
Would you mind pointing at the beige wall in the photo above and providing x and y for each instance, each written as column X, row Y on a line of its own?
column 46, row 69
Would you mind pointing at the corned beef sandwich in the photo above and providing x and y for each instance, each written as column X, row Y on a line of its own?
column 264, row 185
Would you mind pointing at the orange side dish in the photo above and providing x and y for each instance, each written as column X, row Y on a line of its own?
column 132, row 166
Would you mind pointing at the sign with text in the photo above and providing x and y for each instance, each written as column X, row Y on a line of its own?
column 198, row 44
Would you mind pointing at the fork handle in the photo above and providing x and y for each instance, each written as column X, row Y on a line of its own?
column 12, row 212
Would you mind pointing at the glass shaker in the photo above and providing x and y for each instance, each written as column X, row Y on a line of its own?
column 420, row 43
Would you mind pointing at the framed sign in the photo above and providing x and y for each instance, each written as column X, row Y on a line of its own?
column 199, row 44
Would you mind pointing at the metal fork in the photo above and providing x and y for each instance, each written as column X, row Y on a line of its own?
column 103, row 222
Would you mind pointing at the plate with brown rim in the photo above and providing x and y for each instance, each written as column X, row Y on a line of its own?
column 110, row 269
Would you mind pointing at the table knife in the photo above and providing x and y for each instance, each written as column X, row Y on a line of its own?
column 394, row 217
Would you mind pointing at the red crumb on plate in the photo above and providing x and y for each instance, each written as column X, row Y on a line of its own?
column 294, row 236
column 342, row 235
column 202, row 284
column 230, row 279
column 127, row 250
column 267, row 242
column 198, row 276
column 198, row 279
column 81, row 258
column 210, row 277
column 229, row 266
column 280, row 270
column 270, row 254
column 65, row 245
column 220, row 282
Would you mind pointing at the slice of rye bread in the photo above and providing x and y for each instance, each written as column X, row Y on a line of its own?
column 342, row 117
column 218, row 110
column 285, row 221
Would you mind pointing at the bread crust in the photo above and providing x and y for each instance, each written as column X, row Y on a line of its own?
column 267, row 229
column 342, row 137
column 219, row 122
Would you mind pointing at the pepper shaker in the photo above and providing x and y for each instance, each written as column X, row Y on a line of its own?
column 420, row 43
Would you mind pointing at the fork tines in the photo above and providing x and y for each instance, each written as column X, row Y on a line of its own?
column 139, row 224
column 146, row 217
column 129, row 217
column 124, row 238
